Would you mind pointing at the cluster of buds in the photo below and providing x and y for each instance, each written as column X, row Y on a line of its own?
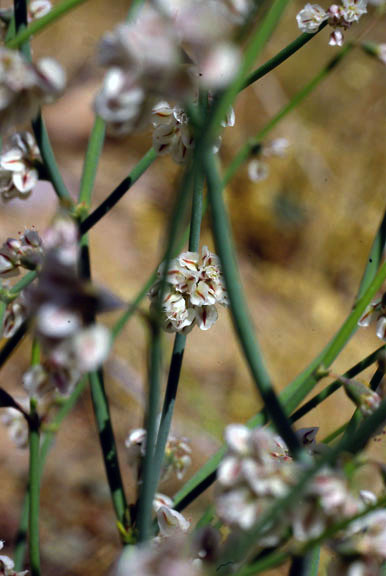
column 194, row 285
column 258, row 469
column 362, row 548
column 312, row 16
column 258, row 169
column 177, row 453
column 167, row 51
column 376, row 310
column 7, row 565
column 25, row 86
column 25, row 252
column 18, row 167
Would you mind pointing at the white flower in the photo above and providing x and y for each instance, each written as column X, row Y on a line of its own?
column 7, row 565
column 336, row 38
column 277, row 147
column 171, row 522
column 310, row 18
column 381, row 52
column 61, row 238
column 36, row 381
column 121, row 102
column 91, row 346
column 38, row 8
column 55, row 322
column 161, row 500
column 354, row 9
column 17, row 426
column 172, row 134
column 18, row 167
column 136, row 445
column 219, row 65
column 14, row 316
column 257, row 170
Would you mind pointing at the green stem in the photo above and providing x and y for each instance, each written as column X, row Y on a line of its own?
column 180, row 339
column 248, row 149
column 240, row 314
column 48, row 438
column 24, row 282
column 49, row 161
column 252, row 52
column 335, row 434
column 39, row 25
column 375, row 257
column 108, row 445
column 147, row 487
column 34, row 491
column 90, row 166
column 280, row 57
column 119, row 191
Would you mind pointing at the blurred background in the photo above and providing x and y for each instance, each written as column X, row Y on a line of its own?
column 303, row 237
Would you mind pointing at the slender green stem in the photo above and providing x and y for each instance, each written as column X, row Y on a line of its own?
column 49, row 161
column 90, row 166
column 280, row 57
column 118, row 192
column 108, row 445
column 335, row 434
column 252, row 52
column 39, row 25
column 34, row 491
column 239, row 310
column 147, row 486
column 375, row 257
column 248, row 149
column 122, row 321
column 48, row 437
column 24, row 282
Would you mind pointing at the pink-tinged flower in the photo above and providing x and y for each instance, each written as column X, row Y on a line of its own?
column 238, row 507
column 14, row 316
column 336, row 17
column 206, row 316
column 18, row 167
column 24, row 87
column 7, row 565
column 38, row 8
column 311, row 17
column 55, row 322
column 172, row 133
column 354, row 9
column 90, row 347
column 336, row 38
column 36, row 382
column 257, row 170
column 121, row 102
column 171, row 522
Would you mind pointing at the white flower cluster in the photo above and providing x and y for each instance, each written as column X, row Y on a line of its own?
column 26, row 252
column 7, row 565
column 177, row 453
column 257, row 470
column 167, row 51
column 341, row 16
column 194, row 285
column 25, row 86
column 18, row 172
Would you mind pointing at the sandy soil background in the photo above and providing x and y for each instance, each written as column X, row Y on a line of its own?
column 303, row 237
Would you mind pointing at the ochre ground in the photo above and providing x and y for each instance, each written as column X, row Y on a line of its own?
column 303, row 237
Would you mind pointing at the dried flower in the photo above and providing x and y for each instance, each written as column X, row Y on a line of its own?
column 14, row 316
